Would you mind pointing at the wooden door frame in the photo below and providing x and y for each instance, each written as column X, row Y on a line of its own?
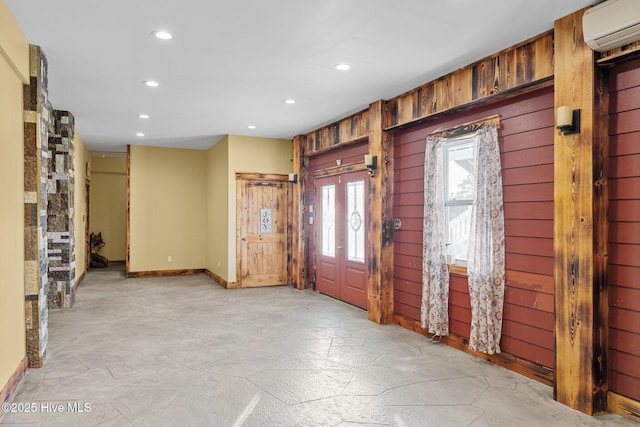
column 380, row 224
column 240, row 178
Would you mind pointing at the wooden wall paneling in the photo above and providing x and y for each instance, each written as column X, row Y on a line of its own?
column 580, row 359
column 299, row 258
column 526, row 139
column 486, row 78
column 442, row 92
column 380, row 282
column 406, row 108
column 507, row 65
column 544, row 56
column 515, row 68
column 349, row 130
column 525, row 60
column 461, row 86
column 611, row 56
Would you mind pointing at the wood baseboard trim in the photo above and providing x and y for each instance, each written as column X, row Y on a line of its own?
column 80, row 279
column 505, row 360
column 9, row 390
column 165, row 273
column 223, row 282
column 623, row 405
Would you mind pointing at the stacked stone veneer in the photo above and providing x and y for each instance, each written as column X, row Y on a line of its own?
column 60, row 190
column 38, row 123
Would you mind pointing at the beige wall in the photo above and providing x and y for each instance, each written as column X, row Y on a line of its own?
column 82, row 158
column 109, row 204
column 218, row 208
column 13, row 45
column 183, row 202
column 252, row 155
column 14, row 69
column 168, row 203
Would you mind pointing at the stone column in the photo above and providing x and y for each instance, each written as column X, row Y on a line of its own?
column 37, row 125
column 61, row 243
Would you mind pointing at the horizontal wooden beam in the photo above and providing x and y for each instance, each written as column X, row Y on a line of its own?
column 614, row 55
column 517, row 67
column 339, row 170
column 350, row 130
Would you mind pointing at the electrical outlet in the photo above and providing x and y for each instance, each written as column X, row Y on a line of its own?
column 219, row 263
column 169, row 258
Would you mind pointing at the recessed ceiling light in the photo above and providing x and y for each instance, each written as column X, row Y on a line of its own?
column 139, row 134
column 251, row 126
column 289, row 101
column 342, row 67
column 163, row 35
column 151, row 83
column 143, row 116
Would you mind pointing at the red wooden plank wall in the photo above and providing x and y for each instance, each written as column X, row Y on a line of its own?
column 349, row 154
column 526, row 144
column 624, row 230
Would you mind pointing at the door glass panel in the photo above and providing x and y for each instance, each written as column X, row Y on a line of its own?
column 265, row 220
column 355, row 221
column 329, row 220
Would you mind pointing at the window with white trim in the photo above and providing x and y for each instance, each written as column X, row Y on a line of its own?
column 459, row 177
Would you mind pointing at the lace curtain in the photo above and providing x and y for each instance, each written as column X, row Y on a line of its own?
column 486, row 264
column 486, row 259
column 435, row 273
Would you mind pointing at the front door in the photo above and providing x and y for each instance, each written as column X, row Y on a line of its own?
column 262, row 230
column 341, row 240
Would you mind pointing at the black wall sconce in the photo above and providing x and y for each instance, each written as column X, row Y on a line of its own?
column 371, row 163
column 293, row 178
column 568, row 120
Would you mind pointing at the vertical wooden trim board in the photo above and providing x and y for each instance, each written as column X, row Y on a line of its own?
column 580, row 358
column 380, row 286
column 298, row 226
column 128, row 249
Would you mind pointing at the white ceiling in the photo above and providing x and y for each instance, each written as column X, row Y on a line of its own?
column 232, row 63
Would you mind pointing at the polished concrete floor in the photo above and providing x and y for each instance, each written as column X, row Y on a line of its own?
column 184, row 351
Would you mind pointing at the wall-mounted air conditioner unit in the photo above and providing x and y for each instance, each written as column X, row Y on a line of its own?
column 612, row 24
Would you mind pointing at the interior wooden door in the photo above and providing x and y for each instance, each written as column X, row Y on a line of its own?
column 341, row 241
column 262, row 230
